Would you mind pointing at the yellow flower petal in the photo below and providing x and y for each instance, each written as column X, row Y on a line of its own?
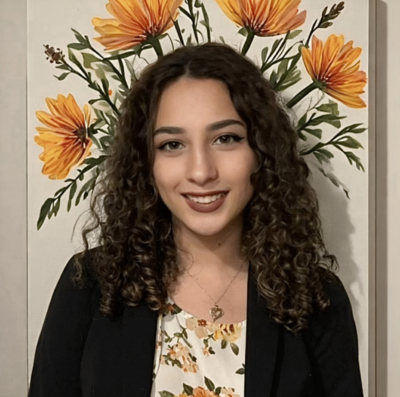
column 264, row 17
column 134, row 21
column 64, row 138
column 336, row 65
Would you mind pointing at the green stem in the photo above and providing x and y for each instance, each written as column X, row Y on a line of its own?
column 249, row 40
column 302, row 94
column 109, row 63
column 155, row 43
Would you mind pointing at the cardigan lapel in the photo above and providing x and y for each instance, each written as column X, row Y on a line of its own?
column 139, row 338
column 263, row 340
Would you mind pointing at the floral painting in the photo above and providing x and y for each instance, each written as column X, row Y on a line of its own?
column 317, row 71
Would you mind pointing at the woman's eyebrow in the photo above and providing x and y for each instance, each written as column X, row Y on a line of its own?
column 224, row 123
column 210, row 128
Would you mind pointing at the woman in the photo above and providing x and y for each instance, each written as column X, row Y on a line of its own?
column 211, row 276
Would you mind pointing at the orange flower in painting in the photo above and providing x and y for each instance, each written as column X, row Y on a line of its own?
column 64, row 137
column 135, row 21
column 264, row 17
column 335, row 66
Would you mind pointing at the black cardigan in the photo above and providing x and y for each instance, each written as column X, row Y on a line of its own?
column 82, row 353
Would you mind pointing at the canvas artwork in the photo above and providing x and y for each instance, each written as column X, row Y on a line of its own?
column 84, row 61
column 77, row 136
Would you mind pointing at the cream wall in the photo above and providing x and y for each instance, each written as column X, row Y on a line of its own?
column 13, row 304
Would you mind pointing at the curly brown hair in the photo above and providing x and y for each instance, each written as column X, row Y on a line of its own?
column 137, row 261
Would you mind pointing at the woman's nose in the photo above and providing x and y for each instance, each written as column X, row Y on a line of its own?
column 201, row 167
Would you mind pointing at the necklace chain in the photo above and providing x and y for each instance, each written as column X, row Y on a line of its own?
column 216, row 311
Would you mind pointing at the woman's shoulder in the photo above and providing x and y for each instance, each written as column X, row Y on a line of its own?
column 335, row 291
column 79, row 272
column 337, row 317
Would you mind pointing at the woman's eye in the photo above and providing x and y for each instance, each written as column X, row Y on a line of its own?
column 170, row 146
column 227, row 139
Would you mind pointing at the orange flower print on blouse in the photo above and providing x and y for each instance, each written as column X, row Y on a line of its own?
column 334, row 66
column 228, row 332
column 64, row 138
column 179, row 355
column 200, row 327
column 201, row 392
column 135, row 21
column 264, row 17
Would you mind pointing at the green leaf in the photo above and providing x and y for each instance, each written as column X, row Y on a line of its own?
column 72, row 192
column 88, row 59
column 326, row 153
column 62, row 67
column 165, row 393
column 316, row 132
column 273, row 79
column 187, row 389
column 331, row 107
column 235, row 349
column 349, row 142
column 120, row 56
column 79, row 37
column 320, row 157
column 62, row 190
column 293, row 34
column 243, row 32
column 323, row 155
column 264, row 54
column 240, row 371
column 44, row 211
column 275, row 45
column 327, row 118
column 100, row 72
column 73, row 58
column 283, row 67
column 217, row 391
column 210, row 385
column 62, row 76
column 56, row 207
column 292, row 79
column 85, row 189
column 301, row 136
column 77, row 46
column 353, row 158
column 302, row 121
column 224, row 344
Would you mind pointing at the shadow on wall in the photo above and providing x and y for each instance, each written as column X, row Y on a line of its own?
column 381, row 198
column 338, row 229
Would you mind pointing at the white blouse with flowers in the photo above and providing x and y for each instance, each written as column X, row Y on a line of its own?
column 196, row 358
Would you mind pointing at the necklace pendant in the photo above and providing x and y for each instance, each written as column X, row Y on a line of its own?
column 216, row 312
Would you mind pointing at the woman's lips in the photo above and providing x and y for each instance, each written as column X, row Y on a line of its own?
column 206, row 207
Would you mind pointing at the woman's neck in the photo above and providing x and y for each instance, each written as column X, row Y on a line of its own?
column 217, row 253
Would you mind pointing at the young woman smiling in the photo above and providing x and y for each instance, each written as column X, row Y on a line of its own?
column 210, row 276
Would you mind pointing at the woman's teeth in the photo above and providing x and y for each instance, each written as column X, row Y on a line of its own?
column 205, row 199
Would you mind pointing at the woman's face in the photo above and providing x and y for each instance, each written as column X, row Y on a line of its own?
column 203, row 161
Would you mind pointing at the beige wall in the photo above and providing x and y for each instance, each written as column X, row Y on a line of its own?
column 13, row 240
column 13, row 271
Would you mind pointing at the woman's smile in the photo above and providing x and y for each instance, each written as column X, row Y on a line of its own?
column 206, row 202
column 203, row 161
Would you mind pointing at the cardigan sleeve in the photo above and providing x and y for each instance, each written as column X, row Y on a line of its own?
column 332, row 343
column 56, row 368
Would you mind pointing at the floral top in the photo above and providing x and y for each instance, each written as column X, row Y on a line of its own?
column 196, row 358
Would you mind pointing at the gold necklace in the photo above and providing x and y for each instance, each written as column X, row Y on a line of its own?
column 216, row 312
